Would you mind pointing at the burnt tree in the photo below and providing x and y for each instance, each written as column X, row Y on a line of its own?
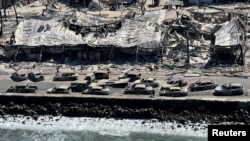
column 13, row 4
column 1, row 32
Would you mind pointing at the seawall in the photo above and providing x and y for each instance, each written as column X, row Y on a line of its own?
column 170, row 109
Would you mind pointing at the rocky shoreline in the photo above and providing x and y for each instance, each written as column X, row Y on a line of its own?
column 179, row 111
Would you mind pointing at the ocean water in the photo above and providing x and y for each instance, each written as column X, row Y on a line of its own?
column 96, row 129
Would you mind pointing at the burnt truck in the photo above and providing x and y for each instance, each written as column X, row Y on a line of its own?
column 24, row 88
column 66, row 76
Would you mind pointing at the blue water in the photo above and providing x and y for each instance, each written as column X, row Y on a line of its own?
column 94, row 129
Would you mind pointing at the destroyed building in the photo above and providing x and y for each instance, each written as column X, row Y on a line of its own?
column 87, row 37
column 229, row 43
column 178, row 37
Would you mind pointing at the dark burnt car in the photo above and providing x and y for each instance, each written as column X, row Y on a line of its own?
column 230, row 89
column 202, row 85
column 97, row 90
column 133, row 76
column 139, row 89
column 24, row 88
column 173, row 91
column 35, row 76
column 120, row 83
column 59, row 90
column 79, row 86
column 101, row 75
column 66, row 76
column 150, row 82
column 177, row 82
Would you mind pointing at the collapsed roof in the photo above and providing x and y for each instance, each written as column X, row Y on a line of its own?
column 45, row 32
column 228, row 34
column 143, row 31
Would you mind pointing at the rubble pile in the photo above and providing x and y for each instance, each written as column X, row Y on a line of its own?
column 197, row 37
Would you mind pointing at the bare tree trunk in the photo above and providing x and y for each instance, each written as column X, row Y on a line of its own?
column 4, row 9
column 142, row 4
column 13, row 4
column 1, row 32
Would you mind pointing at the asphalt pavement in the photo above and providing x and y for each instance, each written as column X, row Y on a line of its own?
column 43, row 86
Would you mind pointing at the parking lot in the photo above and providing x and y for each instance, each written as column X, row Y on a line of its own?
column 43, row 86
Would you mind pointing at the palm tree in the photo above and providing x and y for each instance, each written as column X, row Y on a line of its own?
column 142, row 4
column 1, row 32
column 4, row 5
column 13, row 4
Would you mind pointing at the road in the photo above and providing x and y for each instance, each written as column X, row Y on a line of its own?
column 43, row 86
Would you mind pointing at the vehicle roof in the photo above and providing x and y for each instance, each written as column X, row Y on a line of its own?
column 175, row 88
column 204, row 81
column 140, row 86
column 133, row 73
column 101, row 71
column 96, row 87
column 79, row 82
column 20, row 72
column 124, row 80
column 69, row 73
column 89, row 74
column 93, row 84
column 63, row 87
column 165, row 86
column 236, row 84
column 21, row 85
column 150, row 78
column 35, row 71
column 137, row 81
column 175, row 80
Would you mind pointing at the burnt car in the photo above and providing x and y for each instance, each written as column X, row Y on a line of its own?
column 133, row 76
column 229, row 89
column 24, row 88
column 79, row 86
column 202, row 85
column 59, row 90
column 35, row 76
column 101, row 75
column 173, row 91
column 66, row 76
column 177, row 82
column 150, row 82
column 97, row 90
column 139, row 89
column 120, row 83
column 19, row 76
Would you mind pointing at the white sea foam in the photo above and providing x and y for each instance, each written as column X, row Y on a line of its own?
column 103, row 126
